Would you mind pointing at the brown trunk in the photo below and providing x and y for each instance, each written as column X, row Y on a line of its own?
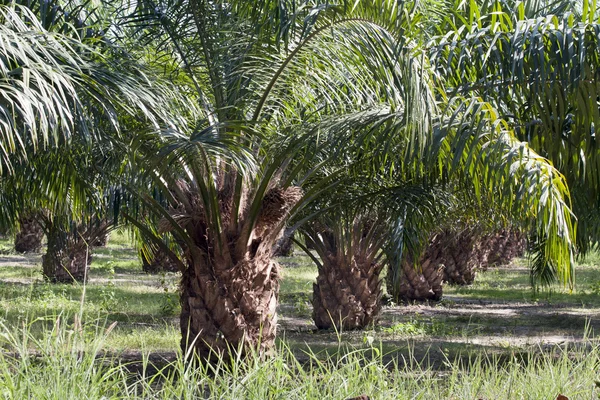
column 347, row 296
column 160, row 262
column 421, row 283
column 29, row 237
column 230, row 288
column 504, row 246
column 284, row 245
column 67, row 257
column 348, row 291
column 233, row 309
column 461, row 254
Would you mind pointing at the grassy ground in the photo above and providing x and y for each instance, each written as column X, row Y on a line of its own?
column 145, row 307
column 466, row 346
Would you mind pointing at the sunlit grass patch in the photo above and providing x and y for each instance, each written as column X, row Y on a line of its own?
column 69, row 362
column 144, row 337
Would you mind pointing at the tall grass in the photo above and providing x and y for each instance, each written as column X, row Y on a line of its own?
column 68, row 363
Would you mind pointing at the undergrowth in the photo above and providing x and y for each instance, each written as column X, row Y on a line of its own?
column 68, row 363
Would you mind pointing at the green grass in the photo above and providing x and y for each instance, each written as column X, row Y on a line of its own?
column 69, row 363
column 298, row 275
column 144, row 306
column 415, row 352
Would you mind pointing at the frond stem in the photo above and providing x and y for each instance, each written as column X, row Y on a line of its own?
column 294, row 52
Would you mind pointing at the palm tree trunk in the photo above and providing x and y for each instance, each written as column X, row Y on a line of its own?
column 348, row 290
column 67, row 257
column 284, row 245
column 230, row 287
column 418, row 283
column 229, row 307
column 460, row 253
column 69, row 251
column 347, row 296
column 29, row 237
column 504, row 246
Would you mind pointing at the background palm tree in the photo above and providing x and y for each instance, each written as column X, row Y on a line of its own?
column 348, row 289
column 283, row 94
column 536, row 62
column 28, row 238
column 292, row 85
column 71, row 90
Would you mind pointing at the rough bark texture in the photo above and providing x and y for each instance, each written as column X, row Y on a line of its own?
column 347, row 295
column 464, row 253
column 67, row 257
column 160, row 262
column 29, row 237
column 230, row 288
column 284, row 245
column 455, row 258
column 504, row 246
column 461, row 253
column 422, row 283
column 347, row 292
column 234, row 308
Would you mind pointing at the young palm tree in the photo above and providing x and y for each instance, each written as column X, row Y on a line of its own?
column 291, row 84
column 66, row 192
column 538, row 67
column 348, row 289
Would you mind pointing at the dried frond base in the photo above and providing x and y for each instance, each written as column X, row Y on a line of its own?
column 66, row 264
column 461, row 254
column 235, row 310
column 347, row 296
column 504, row 246
column 68, row 255
column 423, row 283
column 29, row 237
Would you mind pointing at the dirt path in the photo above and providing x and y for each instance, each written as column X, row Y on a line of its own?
column 457, row 328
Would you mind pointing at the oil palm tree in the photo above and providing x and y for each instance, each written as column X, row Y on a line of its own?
column 537, row 64
column 415, row 270
column 349, row 231
column 290, row 85
column 28, row 238
column 66, row 192
column 348, row 289
column 68, row 91
column 273, row 86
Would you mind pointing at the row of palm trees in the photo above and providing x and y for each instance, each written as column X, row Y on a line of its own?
column 370, row 126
